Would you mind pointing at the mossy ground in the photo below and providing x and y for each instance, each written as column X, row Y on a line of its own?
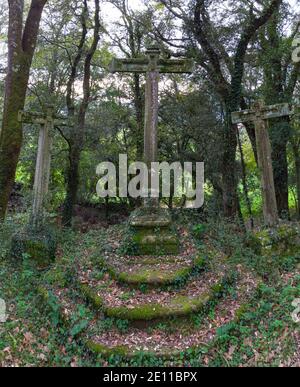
column 37, row 246
column 35, row 335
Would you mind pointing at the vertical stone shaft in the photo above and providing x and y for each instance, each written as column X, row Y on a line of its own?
column 50, row 123
column 151, row 118
column 265, row 166
column 42, row 171
column 152, row 65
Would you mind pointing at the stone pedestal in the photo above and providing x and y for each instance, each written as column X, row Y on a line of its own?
column 152, row 233
column 39, row 247
column 282, row 240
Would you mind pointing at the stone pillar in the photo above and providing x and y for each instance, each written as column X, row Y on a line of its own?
column 42, row 171
column 264, row 153
column 151, row 118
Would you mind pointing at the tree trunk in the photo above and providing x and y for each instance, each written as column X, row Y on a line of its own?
column 296, row 151
column 72, row 185
column 280, row 167
column 244, row 179
column 229, row 168
column 11, row 135
column 77, row 140
column 240, row 216
column 21, row 47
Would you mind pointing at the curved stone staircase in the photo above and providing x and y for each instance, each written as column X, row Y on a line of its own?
column 163, row 302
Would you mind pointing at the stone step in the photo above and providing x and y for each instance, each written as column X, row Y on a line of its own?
column 155, row 304
column 166, row 339
column 154, row 241
column 151, row 271
column 143, row 218
column 176, row 337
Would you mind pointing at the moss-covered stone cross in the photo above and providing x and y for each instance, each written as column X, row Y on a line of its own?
column 47, row 121
column 153, row 65
column 260, row 114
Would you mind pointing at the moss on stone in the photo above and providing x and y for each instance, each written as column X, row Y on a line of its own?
column 91, row 296
column 177, row 307
column 283, row 239
column 141, row 312
column 150, row 217
column 153, row 277
column 38, row 247
column 129, row 353
column 159, row 241
column 106, row 351
column 180, row 306
column 150, row 234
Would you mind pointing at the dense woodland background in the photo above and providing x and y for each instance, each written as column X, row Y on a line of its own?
column 242, row 51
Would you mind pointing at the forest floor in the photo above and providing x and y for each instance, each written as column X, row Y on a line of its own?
column 264, row 335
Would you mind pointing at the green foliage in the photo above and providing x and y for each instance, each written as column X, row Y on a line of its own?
column 80, row 320
column 199, row 231
column 129, row 246
column 54, row 309
column 260, row 323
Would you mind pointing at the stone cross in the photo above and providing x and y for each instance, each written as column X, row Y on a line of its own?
column 153, row 65
column 260, row 114
column 47, row 122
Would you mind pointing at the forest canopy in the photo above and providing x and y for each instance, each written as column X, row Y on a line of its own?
column 242, row 50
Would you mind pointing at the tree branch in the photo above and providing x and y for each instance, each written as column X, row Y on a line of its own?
column 200, row 27
column 89, row 56
column 70, row 84
column 32, row 26
column 248, row 33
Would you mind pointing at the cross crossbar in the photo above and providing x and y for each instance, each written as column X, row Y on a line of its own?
column 41, row 118
column 175, row 66
column 265, row 113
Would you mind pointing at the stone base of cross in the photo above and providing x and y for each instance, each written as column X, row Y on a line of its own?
column 151, row 224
